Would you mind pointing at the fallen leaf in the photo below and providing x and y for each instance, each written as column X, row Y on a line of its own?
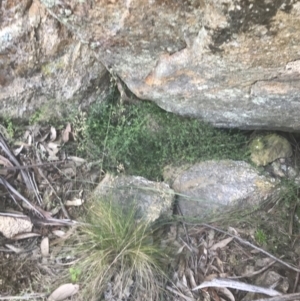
column 74, row 202
column 45, row 247
column 233, row 231
column 28, row 136
column 53, row 133
column 53, row 149
column 18, row 150
column 63, row 292
column 25, row 235
column 4, row 161
column 221, row 244
column 226, row 293
column 59, row 233
column 66, row 133
column 77, row 160
column 228, row 283
column 14, row 249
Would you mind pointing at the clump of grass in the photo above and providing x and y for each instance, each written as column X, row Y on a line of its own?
column 143, row 139
column 114, row 249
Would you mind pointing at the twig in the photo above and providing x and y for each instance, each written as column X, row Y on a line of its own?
column 253, row 273
column 24, row 297
column 19, row 195
column 254, row 247
column 288, row 297
column 15, row 161
column 33, row 165
column 296, row 281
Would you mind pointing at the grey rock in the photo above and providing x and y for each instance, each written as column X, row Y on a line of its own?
column 231, row 64
column 43, row 66
column 211, row 185
column 153, row 199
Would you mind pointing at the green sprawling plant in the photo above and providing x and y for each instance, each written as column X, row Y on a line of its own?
column 143, row 139
column 115, row 251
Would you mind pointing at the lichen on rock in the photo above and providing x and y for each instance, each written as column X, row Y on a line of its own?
column 268, row 148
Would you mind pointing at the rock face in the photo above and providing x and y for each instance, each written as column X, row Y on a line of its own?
column 153, row 199
column 211, row 185
column 43, row 65
column 232, row 63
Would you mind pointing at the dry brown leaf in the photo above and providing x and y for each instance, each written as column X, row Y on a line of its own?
column 63, row 292
column 59, row 233
column 14, row 249
column 66, row 133
column 53, row 133
column 4, row 161
column 206, row 296
column 221, row 244
column 184, row 280
column 226, row 293
column 214, row 294
column 42, row 148
column 74, row 202
column 25, row 235
column 220, row 265
column 28, row 136
column 180, row 249
column 233, row 231
column 45, row 247
column 190, row 276
column 78, row 161
column 18, row 150
column 53, row 149
column 69, row 172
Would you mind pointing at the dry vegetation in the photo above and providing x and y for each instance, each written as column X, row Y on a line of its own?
column 92, row 250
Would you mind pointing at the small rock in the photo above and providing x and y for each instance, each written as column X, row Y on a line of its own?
column 266, row 149
column 11, row 226
column 153, row 198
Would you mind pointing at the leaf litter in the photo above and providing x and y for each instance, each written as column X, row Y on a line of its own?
column 42, row 195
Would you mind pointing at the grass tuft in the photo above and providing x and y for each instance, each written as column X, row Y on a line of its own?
column 120, row 253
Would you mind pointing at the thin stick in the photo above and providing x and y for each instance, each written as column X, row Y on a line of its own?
column 254, row 247
column 33, row 165
column 36, row 208
column 296, row 281
column 288, row 297
column 253, row 273
column 25, row 297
